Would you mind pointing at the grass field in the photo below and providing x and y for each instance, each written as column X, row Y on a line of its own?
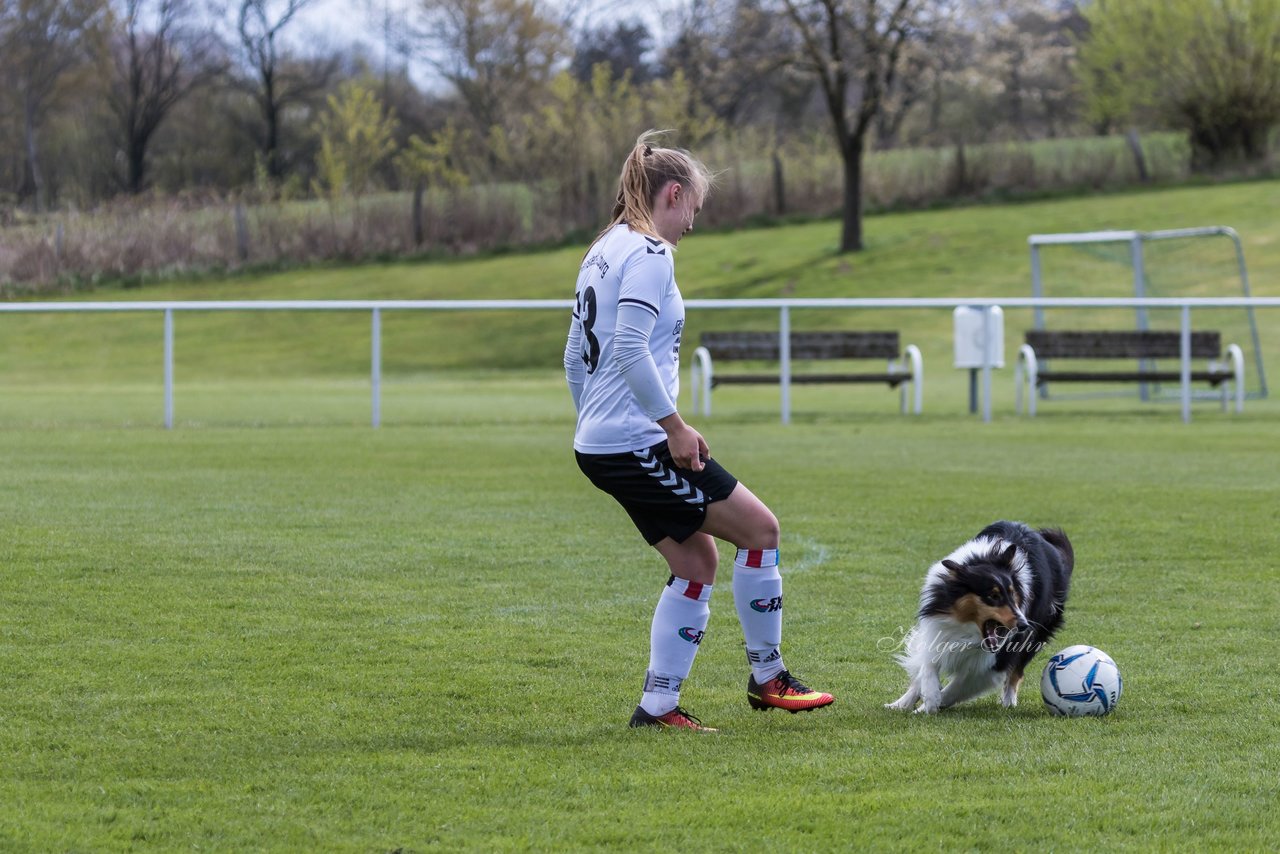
column 328, row 637
column 277, row 629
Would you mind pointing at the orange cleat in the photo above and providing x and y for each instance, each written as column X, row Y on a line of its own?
column 784, row 691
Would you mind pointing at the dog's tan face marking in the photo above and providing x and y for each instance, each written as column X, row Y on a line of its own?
column 966, row 609
column 970, row 608
column 990, row 620
column 1004, row 616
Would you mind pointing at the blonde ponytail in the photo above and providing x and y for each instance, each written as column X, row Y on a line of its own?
column 645, row 172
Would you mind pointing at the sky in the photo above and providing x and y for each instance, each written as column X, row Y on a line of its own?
column 359, row 23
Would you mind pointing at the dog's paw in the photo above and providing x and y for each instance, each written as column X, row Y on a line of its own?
column 927, row 709
column 1009, row 699
column 898, row 706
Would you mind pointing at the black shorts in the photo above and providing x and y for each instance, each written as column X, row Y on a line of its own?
column 663, row 500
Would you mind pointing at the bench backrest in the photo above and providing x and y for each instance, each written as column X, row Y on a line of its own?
column 804, row 345
column 1124, row 344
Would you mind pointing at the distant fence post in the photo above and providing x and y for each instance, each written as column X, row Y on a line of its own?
column 419, row 188
column 375, row 357
column 1184, row 367
column 168, row 369
column 1139, row 158
column 959, row 172
column 784, row 361
column 779, row 186
column 242, row 233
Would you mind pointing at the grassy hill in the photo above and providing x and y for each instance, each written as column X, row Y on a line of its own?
column 979, row 251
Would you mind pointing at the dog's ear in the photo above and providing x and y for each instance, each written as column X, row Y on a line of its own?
column 1009, row 554
column 956, row 569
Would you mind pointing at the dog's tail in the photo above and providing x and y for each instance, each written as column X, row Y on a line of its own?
column 1058, row 539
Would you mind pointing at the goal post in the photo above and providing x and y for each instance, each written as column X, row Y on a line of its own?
column 1166, row 263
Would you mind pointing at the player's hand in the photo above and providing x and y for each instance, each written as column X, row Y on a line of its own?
column 687, row 447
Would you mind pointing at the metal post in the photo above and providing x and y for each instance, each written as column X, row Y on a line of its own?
column 986, row 364
column 1037, row 313
column 376, row 360
column 1185, row 347
column 1140, row 291
column 784, row 358
column 1253, row 322
column 168, row 369
column 1037, row 287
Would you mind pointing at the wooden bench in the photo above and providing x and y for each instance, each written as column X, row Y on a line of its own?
column 903, row 367
column 1126, row 344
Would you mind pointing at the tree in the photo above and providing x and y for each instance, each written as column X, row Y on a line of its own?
column 41, row 43
column 1030, row 50
column 625, row 48
column 854, row 49
column 355, row 138
column 278, row 80
column 498, row 54
column 1211, row 67
column 736, row 57
column 158, row 57
column 988, row 69
column 425, row 165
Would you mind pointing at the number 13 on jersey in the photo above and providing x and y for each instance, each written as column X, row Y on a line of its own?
column 587, row 317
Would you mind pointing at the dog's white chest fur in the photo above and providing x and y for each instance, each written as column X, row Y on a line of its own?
column 953, row 648
column 939, row 648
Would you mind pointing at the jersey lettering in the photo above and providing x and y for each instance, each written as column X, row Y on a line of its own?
column 587, row 317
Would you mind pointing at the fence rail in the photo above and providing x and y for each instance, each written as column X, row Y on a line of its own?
column 783, row 306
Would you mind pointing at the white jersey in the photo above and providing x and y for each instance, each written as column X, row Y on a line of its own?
column 620, row 388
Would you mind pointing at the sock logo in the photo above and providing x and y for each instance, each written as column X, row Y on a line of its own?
column 767, row 606
column 692, row 635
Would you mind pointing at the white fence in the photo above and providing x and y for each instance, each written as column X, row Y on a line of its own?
column 782, row 306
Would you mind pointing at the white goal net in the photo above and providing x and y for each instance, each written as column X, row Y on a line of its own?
column 1184, row 262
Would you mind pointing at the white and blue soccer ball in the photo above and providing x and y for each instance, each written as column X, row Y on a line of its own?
column 1081, row 680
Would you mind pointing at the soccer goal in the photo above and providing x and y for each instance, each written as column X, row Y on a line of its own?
column 1182, row 262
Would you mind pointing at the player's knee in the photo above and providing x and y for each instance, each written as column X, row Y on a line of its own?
column 697, row 563
column 701, row 569
column 764, row 531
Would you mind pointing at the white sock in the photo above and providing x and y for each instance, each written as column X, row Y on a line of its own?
column 757, row 594
column 679, row 622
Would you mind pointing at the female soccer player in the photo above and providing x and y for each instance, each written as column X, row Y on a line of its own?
column 622, row 363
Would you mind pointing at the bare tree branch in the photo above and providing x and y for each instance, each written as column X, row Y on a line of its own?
column 154, row 69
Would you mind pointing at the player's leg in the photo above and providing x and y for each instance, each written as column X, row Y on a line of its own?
column 668, row 507
column 743, row 520
column 679, row 621
column 693, row 560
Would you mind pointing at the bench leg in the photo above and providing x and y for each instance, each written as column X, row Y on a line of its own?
column 1017, row 388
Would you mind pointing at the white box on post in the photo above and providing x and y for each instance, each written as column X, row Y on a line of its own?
column 973, row 350
column 969, row 324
